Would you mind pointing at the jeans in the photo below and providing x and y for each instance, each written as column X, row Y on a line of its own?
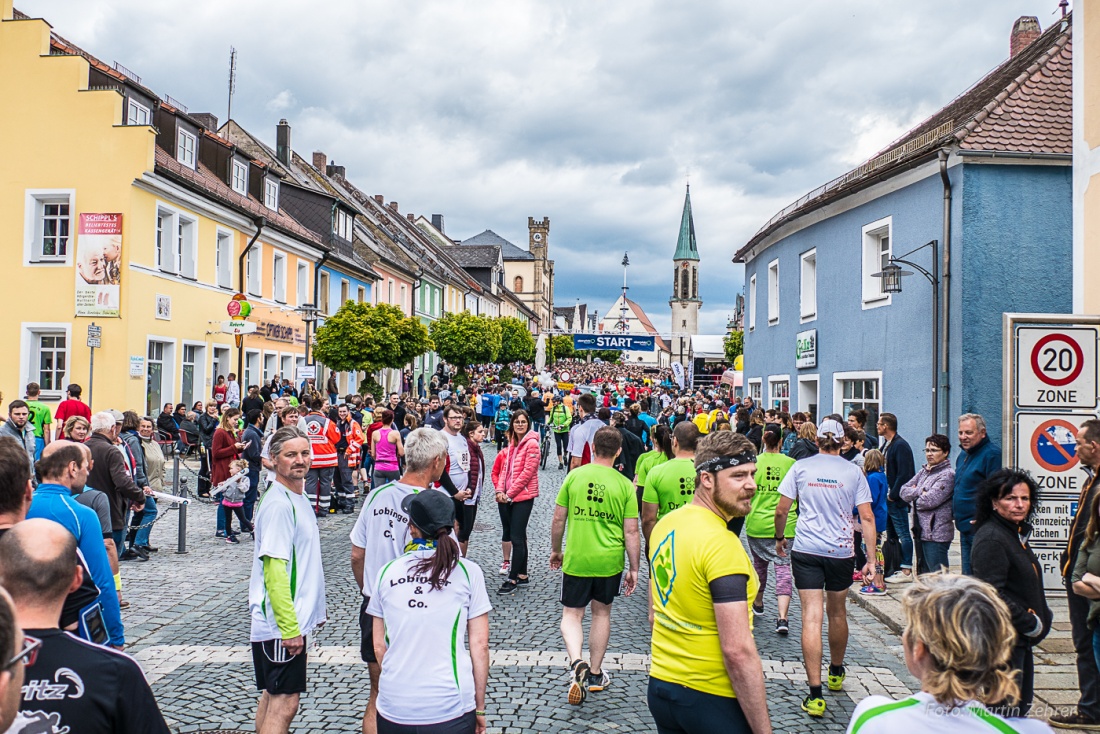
column 1096, row 646
column 965, row 541
column 221, row 518
column 935, row 553
column 150, row 514
column 678, row 709
column 1088, row 670
column 39, row 444
column 899, row 518
column 514, row 517
column 250, row 498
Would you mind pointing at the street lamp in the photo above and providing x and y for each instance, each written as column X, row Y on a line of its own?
column 891, row 275
column 309, row 316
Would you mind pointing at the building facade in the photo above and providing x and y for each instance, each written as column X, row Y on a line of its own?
column 685, row 302
column 1086, row 158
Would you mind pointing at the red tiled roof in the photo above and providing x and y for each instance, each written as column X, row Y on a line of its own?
column 203, row 180
column 1023, row 106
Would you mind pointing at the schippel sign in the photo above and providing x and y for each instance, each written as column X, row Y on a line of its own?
column 621, row 343
column 1050, row 389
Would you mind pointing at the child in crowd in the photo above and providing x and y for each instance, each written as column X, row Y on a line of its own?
column 874, row 464
column 501, row 421
column 231, row 493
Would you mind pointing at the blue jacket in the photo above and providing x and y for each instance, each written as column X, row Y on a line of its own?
column 54, row 502
column 879, row 489
column 971, row 469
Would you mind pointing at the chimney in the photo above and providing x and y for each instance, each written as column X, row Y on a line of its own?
column 393, row 206
column 334, row 170
column 412, row 217
column 437, row 222
column 1024, row 31
column 320, row 161
column 282, row 142
column 379, row 198
column 207, row 120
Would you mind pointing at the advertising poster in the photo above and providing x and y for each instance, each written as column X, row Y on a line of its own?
column 98, row 264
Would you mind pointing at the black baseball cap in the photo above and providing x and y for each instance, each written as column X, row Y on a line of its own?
column 429, row 510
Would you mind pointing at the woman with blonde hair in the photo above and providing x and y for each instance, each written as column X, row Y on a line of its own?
column 806, row 443
column 958, row 642
column 76, row 428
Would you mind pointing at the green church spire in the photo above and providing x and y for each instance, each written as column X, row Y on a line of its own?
column 685, row 244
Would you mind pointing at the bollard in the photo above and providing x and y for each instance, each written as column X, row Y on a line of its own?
column 178, row 490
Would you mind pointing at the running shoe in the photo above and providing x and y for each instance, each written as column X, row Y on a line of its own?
column 523, row 581
column 598, row 681
column 857, row 576
column 872, row 590
column 758, row 609
column 813, row 706
column 232, row 539
column 781, row 627
column 899, row 577
column 836, row 682
column 505, row 567
column 578, row 690
column 219, row 534
column 508, row 587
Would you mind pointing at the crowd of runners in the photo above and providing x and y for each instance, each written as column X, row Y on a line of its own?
column 706, row 493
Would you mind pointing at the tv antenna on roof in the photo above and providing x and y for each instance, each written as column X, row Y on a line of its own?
column 232, row 81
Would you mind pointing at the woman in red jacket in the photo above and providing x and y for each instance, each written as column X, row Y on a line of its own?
column 516, row 479
column 224, row 448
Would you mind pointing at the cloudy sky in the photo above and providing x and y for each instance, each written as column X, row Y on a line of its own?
column 594, row 114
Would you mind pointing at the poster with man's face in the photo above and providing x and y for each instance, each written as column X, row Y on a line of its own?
column 98, row 259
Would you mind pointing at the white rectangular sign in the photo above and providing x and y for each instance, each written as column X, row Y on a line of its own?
column 1046, row 446
column 307, row 372
column 1056, row 367
column 805, row 349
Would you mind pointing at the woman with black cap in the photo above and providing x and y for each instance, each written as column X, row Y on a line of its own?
column 420, row 599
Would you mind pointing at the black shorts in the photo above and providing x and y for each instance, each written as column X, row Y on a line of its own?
column 578, row 591
column 366, row 634
column 465, row 515
column 561, row 442
column 487, row 421
column 821, row 572
column 276, row 671
column 465, row 724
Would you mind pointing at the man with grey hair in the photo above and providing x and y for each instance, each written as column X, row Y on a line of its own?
column 110, row 472
column 980, row 457
column 381, row 533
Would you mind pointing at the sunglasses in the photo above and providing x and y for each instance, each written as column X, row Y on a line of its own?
column 24, row 656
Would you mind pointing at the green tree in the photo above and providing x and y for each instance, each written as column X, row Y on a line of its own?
column 360, row 336
column 561, row 347
column 734, row 344
column 464, row 339
column 516, row 342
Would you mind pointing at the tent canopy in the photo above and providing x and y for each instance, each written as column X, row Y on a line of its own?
column 708, row 346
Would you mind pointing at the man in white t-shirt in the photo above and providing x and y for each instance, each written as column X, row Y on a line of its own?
column 583, row 434
column 458, row 451
column 826, row 487
column 381, row 534
column 288, row 547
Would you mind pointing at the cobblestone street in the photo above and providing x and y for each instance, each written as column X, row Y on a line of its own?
column 188, row 626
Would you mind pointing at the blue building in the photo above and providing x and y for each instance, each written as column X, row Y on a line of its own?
column 989, row 179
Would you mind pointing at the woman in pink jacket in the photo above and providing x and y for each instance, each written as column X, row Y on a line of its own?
column 516, row 479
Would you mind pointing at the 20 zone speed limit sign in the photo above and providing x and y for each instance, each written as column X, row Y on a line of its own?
column 1056, row 367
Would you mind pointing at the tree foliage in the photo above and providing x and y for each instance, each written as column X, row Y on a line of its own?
column 464, row 339
column 360, row 336
column 559, row 347
column 516, row 342
column 734, row 344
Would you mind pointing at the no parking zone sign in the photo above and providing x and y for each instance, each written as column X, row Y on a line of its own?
column 1050, row 389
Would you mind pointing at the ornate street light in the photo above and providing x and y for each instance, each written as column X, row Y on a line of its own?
column 309, row 315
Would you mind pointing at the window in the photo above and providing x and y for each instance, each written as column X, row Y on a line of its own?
column 404, row 298
column 175, row 243
column 50, row 355
column 154, row 378
column 136, row 113
column 191, row 358
column 389, row 300
column 185, row 148
column 270, row 365
column 240, row 178
column 323, row 305
column 251, row 370
column 752, row 303
column 860, row 391
column 303, row 284
column 252, row 270
column 343, row 225
column 271, row 194
column 755, row 389
column 876, row 255
column 185, row 246
column 808, row 297
column 224, row 259
column 278, row 278
column 361, row 294
column 286, row 367
column 773, row 292
column 344, row 291
column 517, row 285
column 49, row 226
column 779, row 393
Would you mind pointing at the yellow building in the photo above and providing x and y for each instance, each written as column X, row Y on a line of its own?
column 1086, row 156
column 121, row 209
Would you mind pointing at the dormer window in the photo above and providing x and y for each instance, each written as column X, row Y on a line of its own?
column 136, row 113
column 343, row 225
column 185, row 148
column 271, row 194
column 240, row 178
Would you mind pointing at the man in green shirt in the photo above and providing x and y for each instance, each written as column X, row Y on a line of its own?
column 672, row 484
column 40, row 417
column 599, row 506
column 771, row 467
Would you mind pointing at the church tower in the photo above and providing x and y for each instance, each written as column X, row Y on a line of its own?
column 685, row 301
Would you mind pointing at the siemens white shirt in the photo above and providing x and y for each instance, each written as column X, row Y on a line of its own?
column 286, row 529
column 382, row 529
column 920, row 712
column 427, row 672
column 458, row 451
column 827, row 487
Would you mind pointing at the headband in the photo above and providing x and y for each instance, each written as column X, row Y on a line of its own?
column 718, row 463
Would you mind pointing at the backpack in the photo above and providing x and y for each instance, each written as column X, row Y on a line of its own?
column 891, row 553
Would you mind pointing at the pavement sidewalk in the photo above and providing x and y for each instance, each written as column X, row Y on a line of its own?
column 1055, row 667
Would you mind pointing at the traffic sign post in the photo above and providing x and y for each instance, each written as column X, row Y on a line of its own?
column 95, row 334
column 1050, row 389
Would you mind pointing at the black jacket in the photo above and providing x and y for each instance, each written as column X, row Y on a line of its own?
column 628, row 458
column 207, row 425
column 900, row 468
column 755, row 434
column 803, row 448
column 1000, row 559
